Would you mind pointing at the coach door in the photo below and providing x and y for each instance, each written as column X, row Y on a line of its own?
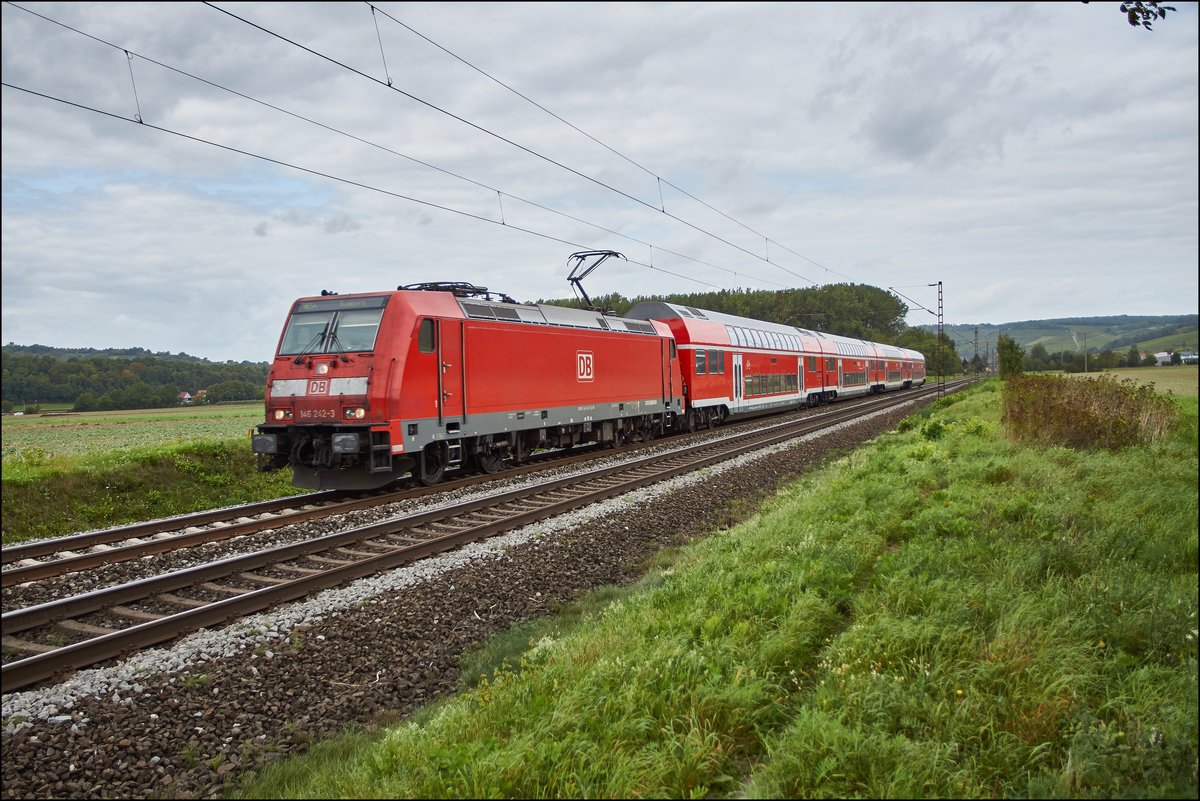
column 451, row 374
column 738, row 386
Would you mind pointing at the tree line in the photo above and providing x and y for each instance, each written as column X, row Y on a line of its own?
column 128, row 379
column 1015, row 359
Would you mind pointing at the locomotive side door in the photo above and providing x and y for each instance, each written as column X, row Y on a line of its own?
column 451, row 371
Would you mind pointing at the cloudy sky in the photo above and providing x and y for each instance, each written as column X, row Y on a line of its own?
column 1038, row 159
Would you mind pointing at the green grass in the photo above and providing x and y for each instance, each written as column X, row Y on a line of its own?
column 942, row 613
column 66, row 495
column 75, row 472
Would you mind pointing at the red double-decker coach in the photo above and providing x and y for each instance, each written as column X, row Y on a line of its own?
column 737, row 366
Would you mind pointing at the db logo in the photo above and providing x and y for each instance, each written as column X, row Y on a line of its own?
column 584, row 365
column 318, row 386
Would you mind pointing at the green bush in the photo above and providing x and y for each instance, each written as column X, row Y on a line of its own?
column 1086, row 413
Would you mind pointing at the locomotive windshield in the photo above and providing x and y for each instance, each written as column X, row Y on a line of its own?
column 332, row 326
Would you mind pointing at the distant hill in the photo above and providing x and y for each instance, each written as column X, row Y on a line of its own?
column 113, row 353
column 1077, row 334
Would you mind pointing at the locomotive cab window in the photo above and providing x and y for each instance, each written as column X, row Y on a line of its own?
column 305, row 333
column 332, row 326
column 356, row 330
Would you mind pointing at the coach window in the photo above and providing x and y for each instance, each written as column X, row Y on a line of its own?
column 715, row 362
column 831, row 365
column 700, row 369
column 426, row 339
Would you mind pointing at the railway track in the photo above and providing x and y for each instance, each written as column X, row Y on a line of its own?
column 28, row 561
column 56, row 637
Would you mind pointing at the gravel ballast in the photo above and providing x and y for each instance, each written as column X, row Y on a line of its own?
column 186, row 722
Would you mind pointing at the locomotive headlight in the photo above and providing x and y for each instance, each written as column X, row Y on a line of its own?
column 345, row 443
column 357, row 413
column 282, row 414
column 321, row 368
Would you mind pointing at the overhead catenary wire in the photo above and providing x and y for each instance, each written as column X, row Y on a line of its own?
column 614, row 151
column 329, row 176
column 502, row 138
column 499, row 192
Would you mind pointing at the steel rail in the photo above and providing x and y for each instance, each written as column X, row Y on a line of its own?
column 88, row 539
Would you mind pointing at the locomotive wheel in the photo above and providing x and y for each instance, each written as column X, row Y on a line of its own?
column 432, row 465
column 486, row 456
column 489, row 462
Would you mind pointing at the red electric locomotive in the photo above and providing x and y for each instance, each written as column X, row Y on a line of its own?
column 367, row 388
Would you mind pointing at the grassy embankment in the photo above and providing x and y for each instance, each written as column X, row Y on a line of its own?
column 68, row 473
column 945, row 612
